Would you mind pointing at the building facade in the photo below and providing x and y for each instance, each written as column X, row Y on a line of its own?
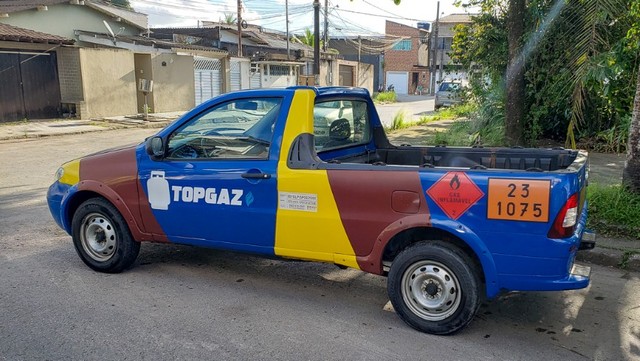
column 406, row 64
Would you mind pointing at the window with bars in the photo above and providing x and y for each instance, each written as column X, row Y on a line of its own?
column 279, row 70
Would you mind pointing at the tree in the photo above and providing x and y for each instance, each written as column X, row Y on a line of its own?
column 515, row 92
column 229, row 18
column 631, row 171
column 121, row 3
column 307, row 38
column 578, row 77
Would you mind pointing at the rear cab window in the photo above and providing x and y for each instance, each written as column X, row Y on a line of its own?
column 340, row 123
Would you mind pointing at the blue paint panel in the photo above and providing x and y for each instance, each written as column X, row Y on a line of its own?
column 192, row 220
column 207, row 202
column 525, row 258
column 55, row 194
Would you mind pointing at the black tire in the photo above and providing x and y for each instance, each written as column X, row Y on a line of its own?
column 102, row 238
column 448, row 295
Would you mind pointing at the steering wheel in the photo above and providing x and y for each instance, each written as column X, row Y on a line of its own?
column 185, row 151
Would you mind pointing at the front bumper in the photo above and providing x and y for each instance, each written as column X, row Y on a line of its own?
column 55, row 196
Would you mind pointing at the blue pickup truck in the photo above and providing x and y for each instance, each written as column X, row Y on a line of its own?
column 247, row 172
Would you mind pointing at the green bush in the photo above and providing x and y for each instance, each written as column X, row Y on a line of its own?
column 614, row 210
column 386, row 97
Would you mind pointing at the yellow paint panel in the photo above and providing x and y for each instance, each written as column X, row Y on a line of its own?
column 312, row 235
column 71, row 174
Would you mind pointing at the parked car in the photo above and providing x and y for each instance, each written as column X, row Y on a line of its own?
column 449, row 93
column 448, row 226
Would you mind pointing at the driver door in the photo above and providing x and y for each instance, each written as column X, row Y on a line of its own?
column 216, row 186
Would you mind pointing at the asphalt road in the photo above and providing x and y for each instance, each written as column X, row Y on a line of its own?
column 190, row 303
column 413, row 107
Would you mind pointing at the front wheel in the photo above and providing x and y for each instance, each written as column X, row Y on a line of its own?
column 102, row 238
column 434, row 287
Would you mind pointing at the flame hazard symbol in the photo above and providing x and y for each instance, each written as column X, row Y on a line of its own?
column 455, row 193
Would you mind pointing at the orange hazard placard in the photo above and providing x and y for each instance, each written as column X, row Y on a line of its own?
column 519, row 199
column 455, row 193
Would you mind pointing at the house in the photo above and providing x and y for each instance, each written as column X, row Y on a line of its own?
column 367, row 50
column 268, row 60
column 445, row 69
column 100, row 69
column 265, row 61
column 406, row 64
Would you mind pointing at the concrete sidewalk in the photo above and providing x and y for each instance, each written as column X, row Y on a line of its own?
column 44, row 128
column 604, row 169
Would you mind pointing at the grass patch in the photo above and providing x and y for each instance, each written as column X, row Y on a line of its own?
column 385, row 97
column 454, row 112
column 614, row 211
column 399, row 122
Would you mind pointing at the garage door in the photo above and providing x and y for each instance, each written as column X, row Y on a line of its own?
column 346, row 75
column 399, row 80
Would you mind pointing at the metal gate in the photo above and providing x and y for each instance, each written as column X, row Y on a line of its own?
column 208, row 79
column 236, row 76
column 29, row 87
column 255, row 78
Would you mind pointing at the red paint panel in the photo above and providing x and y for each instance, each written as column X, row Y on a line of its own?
column 365, row 200
column 114, row 174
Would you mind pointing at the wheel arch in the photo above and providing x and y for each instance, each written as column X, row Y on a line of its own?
column 407, row 232
column 91, row 189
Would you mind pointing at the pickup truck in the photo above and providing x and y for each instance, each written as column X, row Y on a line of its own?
column 447, row 226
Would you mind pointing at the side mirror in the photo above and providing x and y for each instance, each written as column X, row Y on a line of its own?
column 155, row 147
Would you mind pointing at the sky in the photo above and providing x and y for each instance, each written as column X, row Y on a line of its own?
column 346, row 17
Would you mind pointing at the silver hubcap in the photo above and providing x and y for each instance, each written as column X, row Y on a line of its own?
column 98, row 237
column 430, row 290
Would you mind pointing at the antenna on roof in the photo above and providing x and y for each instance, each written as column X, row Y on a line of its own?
column 106, row 24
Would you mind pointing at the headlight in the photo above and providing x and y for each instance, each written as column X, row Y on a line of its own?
column 59, row 173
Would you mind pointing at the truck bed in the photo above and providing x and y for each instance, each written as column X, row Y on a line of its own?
column 526, row 159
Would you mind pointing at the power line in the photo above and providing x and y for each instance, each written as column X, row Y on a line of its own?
column 376, row 15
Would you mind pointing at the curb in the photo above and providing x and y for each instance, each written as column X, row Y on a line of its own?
column 99, row 126
column 608, row 257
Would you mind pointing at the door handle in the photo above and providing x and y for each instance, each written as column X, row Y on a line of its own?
column 256, row 175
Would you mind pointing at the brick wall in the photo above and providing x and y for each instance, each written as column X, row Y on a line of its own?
column 70, row 75
column 406, row 60
column 399, row 60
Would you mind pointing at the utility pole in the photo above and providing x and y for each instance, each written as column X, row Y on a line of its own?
column 434, row 51
column 326, row 25
column 239, row 20
column 286, row 19
column 441, row 60
column 358, row 65
column 316, row 37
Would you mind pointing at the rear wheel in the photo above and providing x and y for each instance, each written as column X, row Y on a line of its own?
column 434, row 287
column 102, row 238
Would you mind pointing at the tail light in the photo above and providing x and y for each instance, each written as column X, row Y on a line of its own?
column 567, row 219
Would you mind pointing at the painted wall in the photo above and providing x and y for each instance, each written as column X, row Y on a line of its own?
column 63, row 19
column 330, row 73
column 109, row 82
column 173, row 83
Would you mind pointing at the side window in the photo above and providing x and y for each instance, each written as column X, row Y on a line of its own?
column 340, row 123
column 239, row 129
